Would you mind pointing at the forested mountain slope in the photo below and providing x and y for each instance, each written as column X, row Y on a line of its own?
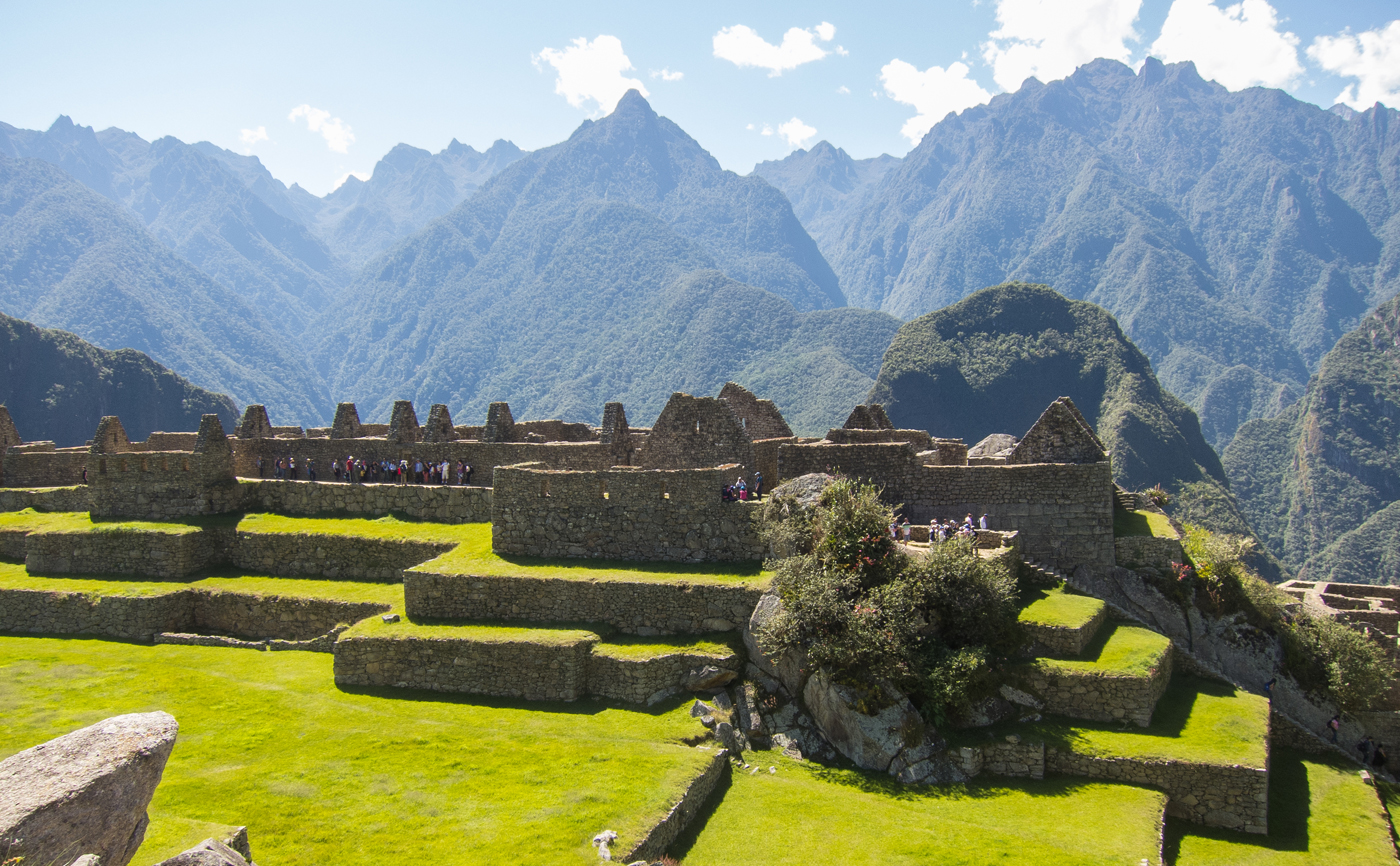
column 58, row 386
column 1236, row 236
column 1321, row 482
column 826, row 187
column 606, row 267
column 71, row 259
column 992, row 362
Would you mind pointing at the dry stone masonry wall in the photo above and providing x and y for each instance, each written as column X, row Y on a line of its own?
column 335, row 557
column 122, row 551
column 672, row 516
column 438, row 503
column 1093, row 695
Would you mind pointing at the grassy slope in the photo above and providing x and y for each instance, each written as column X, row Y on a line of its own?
column 389, row 528
column 30, row 520
column 1120, row 650
column 325, row 776
column 1058, row 608
column 1142, row 523
column 14, row 576
column 809, row 815
column 1320, row 814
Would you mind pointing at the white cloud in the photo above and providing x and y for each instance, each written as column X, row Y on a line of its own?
column 843, row 90
column 250, row 137
column 1372, row 58
column 1049, row 39
column 666, row 75
column 334, row 130
column 592, row 72
column 742, row 46
column 933, row 93
column 362, row 175
column 796, row 133
column 1238, row 46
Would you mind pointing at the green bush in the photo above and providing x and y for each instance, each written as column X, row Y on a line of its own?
column 1321, row 654
column 934, row 627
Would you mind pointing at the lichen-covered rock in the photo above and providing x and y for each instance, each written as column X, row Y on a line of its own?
column 85, row 792
column 873, row 742
column 788, row 667
column 210, row 852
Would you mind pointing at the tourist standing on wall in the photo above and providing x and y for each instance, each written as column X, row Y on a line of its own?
column 259, row 463
column 468, row 479
column 983, row 522
column 758, row 484
column 311, row 469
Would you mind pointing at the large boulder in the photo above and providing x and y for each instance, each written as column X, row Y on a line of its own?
column 210, row 852
column 789, row 667
column 85, row 792
column 894, row 740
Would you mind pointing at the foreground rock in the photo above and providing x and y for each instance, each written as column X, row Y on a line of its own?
column 893, row 740
column 787, row 667
column 85, row 792
column 210, row 852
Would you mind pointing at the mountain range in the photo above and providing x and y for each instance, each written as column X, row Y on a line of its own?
column 1235, row 235
column 57, row 387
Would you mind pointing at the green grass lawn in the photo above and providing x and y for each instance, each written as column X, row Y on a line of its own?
column 806, row 815
column 324, row 776
column 1142, row 523
column 15, row 576
column 1320, row 814
column 1120, row 650
column 389, row 528
column 30, row 520
column 626, row 646
column 1056, row 607
column 478, row 631
column 1196, row 720
column 474, row 556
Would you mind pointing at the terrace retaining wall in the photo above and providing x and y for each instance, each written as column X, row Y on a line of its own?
column 669, row 828
column 335, row 557
column 45, row 498
column 1097, row 696
column 34, row 611
column 1233, row 797
column 439, row 503
column 635, row 607
column 1064, row 641
column 507, row 668
column 121, row 551
column 1018, row 760
column 648, row 680
column 265, row 616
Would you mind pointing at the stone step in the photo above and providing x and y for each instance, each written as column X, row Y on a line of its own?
column 1119, row 677
column 530, row 663
column 1061, row 623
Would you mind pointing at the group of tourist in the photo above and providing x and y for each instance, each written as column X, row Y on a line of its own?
column 739, row 491
column 355, row 470
column 939, row 531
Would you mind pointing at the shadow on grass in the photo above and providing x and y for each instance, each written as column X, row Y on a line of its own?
column 686, row 840
column 982, row 789
column 752, row 568
column 1290, row 809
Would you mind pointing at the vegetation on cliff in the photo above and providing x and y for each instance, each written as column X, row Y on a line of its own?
column 58, row 386
column 1321, row 482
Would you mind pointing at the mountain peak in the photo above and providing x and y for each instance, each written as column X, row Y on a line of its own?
column 633, row 104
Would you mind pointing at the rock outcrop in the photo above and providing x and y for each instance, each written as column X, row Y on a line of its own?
column 893, row 740
column 210, row 852
column 85, row 792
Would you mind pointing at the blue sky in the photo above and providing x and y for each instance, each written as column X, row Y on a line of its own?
column 317, row 90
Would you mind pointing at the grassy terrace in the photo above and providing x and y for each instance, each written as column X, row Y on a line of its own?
column 322, row 775
column 30, row 520
column 14, row 576
column 1118, row 650
column 483, row 632
column 1196, row 720
column 1056, row 607
column 1320, row 814
column 1142, row 523
column 813, row 816
column 474, row 556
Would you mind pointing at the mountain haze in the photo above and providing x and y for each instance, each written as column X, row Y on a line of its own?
column 58, row 386
column 71, row 259
column 1236, row 236
column 607, row 267
column 826, row 187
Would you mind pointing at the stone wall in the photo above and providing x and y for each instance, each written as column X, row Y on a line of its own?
column 335, row 557
column 1063, row 511
column 654, row 844
column 33, row 611
column 698, row 432
column 1089, row 694
column 121, row 551
column 635, row 607
column 1015, row 759
column 500, row 668
column 621, row 677
column 759, row 418
column 45, row 499
column 1064, row 641
column 48, row 467
column 439, row 503
column 660, row 515
column 1233, row 797
column 1139, row 551
column 263, row 616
